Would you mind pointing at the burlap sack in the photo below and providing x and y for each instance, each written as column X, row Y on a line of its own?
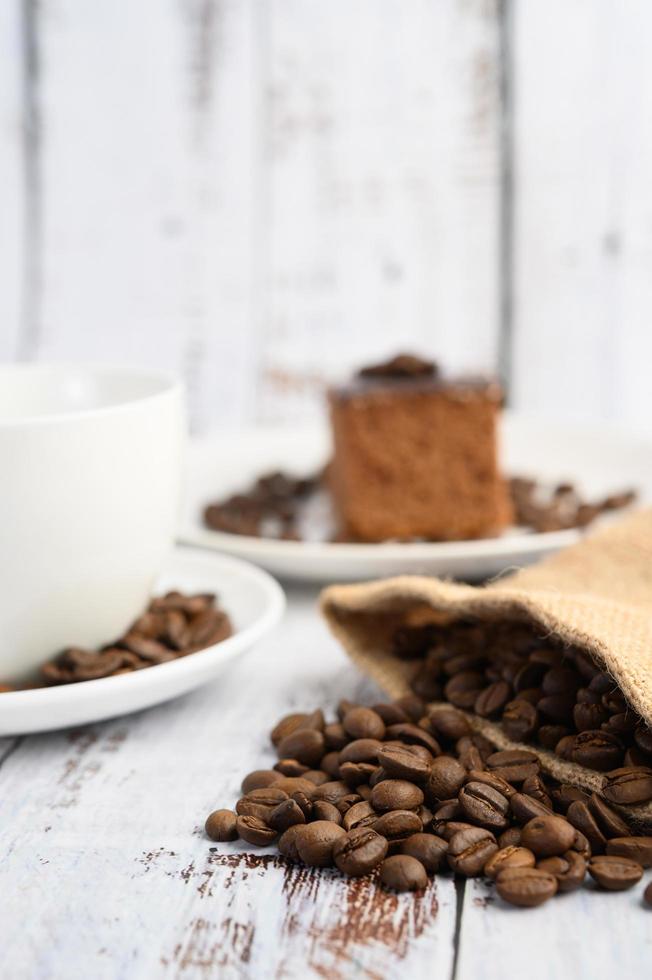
column 596, row 595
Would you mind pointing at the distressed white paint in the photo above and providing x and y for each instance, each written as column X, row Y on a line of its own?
column 12, row 216
column 583, row 198
column 110, row 875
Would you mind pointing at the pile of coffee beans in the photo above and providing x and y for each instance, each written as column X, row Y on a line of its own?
column 542, row 508
column 173, row 626
column 404, row 791
column 538, row 691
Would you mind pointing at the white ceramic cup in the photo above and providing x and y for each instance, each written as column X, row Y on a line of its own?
column 90, row 469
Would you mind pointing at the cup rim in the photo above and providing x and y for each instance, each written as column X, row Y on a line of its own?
column 169, row 384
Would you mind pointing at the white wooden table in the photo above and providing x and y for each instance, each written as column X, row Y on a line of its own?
column 105, row 870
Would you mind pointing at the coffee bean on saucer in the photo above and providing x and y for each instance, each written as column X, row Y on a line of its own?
column 359, row 851
column 221, row 825
column 526, row 887
column 615, row 873
column 403, row 873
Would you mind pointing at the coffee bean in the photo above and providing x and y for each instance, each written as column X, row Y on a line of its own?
column 363, row 723
column 397, row 825
column 344, row 803
column 564, row 747
column 259, row 779
column 610, row 823
column 260, row 802
column 514, row 765
column 638, row 849
column 446, row 778
column 396, row 794
column 426, row 848
column 335, row 738
column 548, row 836
column 581, row 845
column 361, row 750
column 588, row 717
column 508, row 857
column 569, row 869
column 306, row 745
column 286, row 726
column 598, row 750
column 529, row 675
column 615, row 873
column 492, row 700
column 316, row 776
column 359, row 852
column 400, row 762
column 332, row 792
column 321, row 810
column 580, row 816
column 549, row 736
column 255, row 831
column 520, row 720
column 359, row 815
column 484, row 806
column 491, row 779
column 526, row 808
column 448, row 723
column 469, row 850
column 414, row 735
column 305, row 803
column 561, row 680
column 413, row 706
column 447, row 810
column 526, row 887
column 392, row 714
column 557, row 708
column 285, row 815
column 221, row 825
column 343, row 706
column 647, row 895
column 510, row 837
column 355, row 773
column 290, row 767
column 628, row 785
column 643, row 738
column 565, row 794
column 313, row 842
column 535, row 787
column 403, row 873
column 463, row 689
column 287, row 843
column 446, row 829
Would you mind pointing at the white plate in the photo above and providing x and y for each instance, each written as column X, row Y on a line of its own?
column 598, row 462
column 253, row 600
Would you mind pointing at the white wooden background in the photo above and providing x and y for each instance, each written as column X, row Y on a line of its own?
column 261, row 193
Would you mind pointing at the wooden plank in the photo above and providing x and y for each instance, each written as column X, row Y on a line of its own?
column 103, row 853
column 12, row 173
column 583, row 234
column 383, row 153
column 147, row 168
column 587, row 933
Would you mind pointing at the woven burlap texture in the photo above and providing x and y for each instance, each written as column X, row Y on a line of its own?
column 596, row 595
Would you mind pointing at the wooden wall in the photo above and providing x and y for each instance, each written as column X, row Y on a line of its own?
column 260, row 194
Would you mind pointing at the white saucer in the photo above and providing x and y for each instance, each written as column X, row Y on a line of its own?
column 253, row 600
column 598, row 462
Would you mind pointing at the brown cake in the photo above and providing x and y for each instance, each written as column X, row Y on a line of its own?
column 415, row 455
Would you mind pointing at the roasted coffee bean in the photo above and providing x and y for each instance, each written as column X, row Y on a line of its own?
column 601, row 683
column 462, row 689
column 549, row 736
column 306, row 804
column 643, row 738
column 569, row 869
column 397, row 825
column 491, row 779
column 622, row 725
column 565, row 794
column 426, row 848
column 469, row 850
column 598, row 750
column 614, row 702
column 287, row 843
column 615, row 873
column 557, row 708
column 290, row 767
column 611, row 823
column 321, row 810
column 306, row 745
column 510, row 837
column 514, row 765
column 316, row 776
column 628, row 785
column 330, row 764
column 490, row 702
column 377, row 776
column 400, row 762
column 647, row 895
column 561, row 680
column 255, row 831
column 484, row 806
column 363, row 723
column 548, row 836
column 564, row 747
column 260, row 802
column 359, row 815
column 580, row 816
column 396, row 794
column 425, row 815
column 588, row 717
column 586, row 696
column 448, row 723
column 637, row 849
column 345, row 803
column 259, row 779
column 581, row 845
column 508, row 857
column 635, row 759
column 414, row 735
column 526, row 887
column 426, row 686
column 355, row 773
column 526, row 808
column 462, row 663
column 332, row 792
column 529, row 675
column 343, row 706
column 520, row 720
column 535, row 787
column 532, row 695
column 403, row 873
column 469, row 754
column 448, row 810
column 446, row 778
column 335, row 737
column 361, row 750
column 313, row 842
column 446, row 829
column 286, row 726
column 413, row 706
column 221, row 825
column 285, row 815
column 365, row 792
column 392, row 714
column 359, row 852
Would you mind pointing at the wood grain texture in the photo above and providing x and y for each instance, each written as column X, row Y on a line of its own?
column 12, row 187
column 383, row 158
column 583, row 236
column 110, row 875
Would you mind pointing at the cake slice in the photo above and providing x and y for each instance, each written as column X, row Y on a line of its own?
column 415, row 455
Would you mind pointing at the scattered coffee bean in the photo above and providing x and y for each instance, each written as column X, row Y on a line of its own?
column 322, row 810
column 313, row 842
column 401, row 762
column 306, row 745
column 580, row 816
column 403, row 873
column 615, row 873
